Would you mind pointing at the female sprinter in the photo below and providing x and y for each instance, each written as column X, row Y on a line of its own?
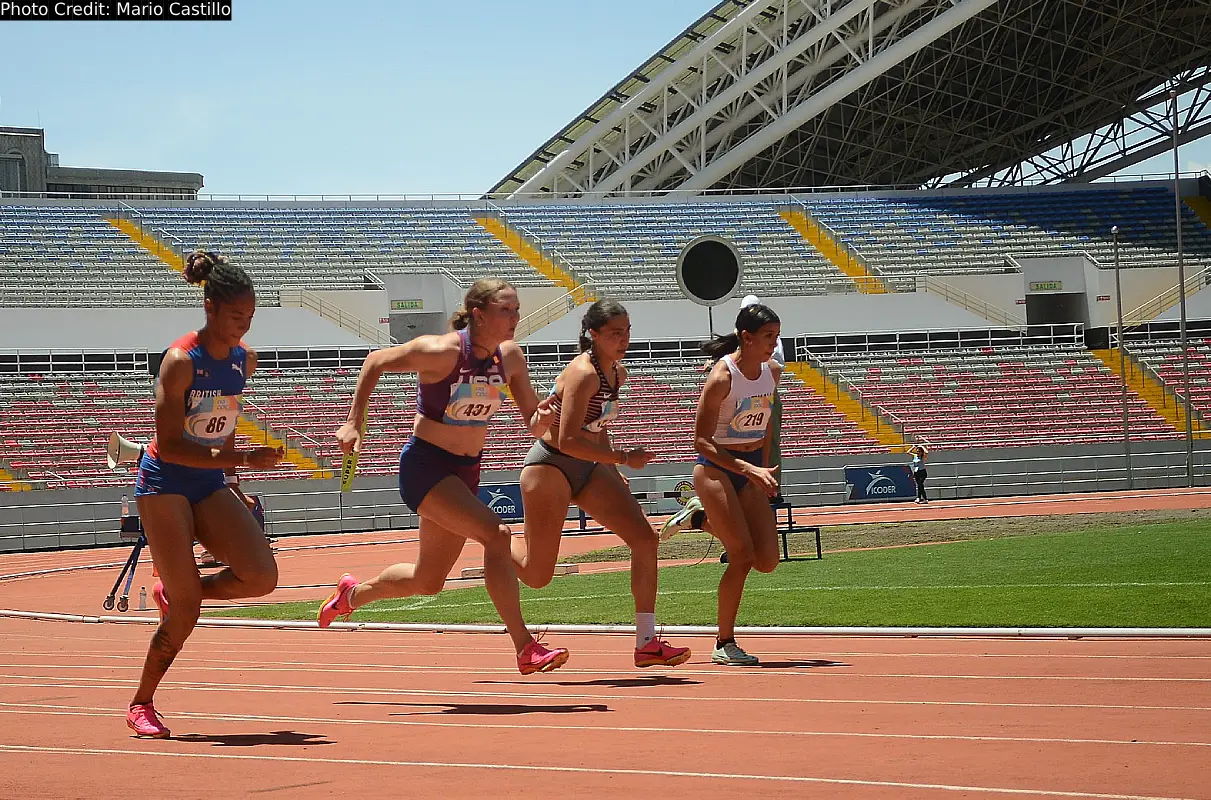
column 461, row 375
column 181, row 488
column 574, row 462
column 730, row 478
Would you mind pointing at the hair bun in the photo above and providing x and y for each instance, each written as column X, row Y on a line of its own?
column 198, row 266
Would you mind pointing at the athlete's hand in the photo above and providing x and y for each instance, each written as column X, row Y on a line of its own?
column 637, row 458
column 544, row 415
column 349, row 439
column 265, row 457
column 765, row 479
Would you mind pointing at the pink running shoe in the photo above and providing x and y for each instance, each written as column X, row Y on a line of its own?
column 535, row 657
column 337, row 604
column 145, row 722
column 161, row 599
column 659, row 653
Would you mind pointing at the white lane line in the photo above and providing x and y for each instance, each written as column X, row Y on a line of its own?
column 36, row 709
column 49, row 681
column 391, row 607
column 815, row 655
column 817, row 673
column 312, row 760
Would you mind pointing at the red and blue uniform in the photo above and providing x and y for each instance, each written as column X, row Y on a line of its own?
column 212, row 407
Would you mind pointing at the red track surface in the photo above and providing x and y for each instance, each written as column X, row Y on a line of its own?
column 304, row 714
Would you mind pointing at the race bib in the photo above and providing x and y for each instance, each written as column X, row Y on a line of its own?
column 472, row 403
column 751, row 418
column 609, row 412
column 211, row 419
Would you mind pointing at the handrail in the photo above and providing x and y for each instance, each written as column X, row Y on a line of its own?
column 374, row 280
column 1169, row 393
column 851, row 252
column 1167, row 299
column 305, row 298
column 881, row 416
column 556, row 309
column 1090, row 257
column 969, row 302
column 578, row 276
column 290, row 431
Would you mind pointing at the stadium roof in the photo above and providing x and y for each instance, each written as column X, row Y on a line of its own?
column 815, row 93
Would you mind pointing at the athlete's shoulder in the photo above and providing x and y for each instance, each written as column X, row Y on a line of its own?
column 189, row 343
column 511, row 349
column 580, row 370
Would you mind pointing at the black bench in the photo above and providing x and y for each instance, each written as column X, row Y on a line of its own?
column 786, row 527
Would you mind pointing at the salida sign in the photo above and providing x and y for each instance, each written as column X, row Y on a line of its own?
column 879, row 484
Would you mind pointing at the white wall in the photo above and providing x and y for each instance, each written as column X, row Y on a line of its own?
column 433, row 290
column 534, row 298
column 1007, row 290
column 368, row 305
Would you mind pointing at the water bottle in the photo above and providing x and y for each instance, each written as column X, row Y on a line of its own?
column 142, row 598
column 125, row 506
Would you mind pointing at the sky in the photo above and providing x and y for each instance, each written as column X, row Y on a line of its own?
column 355, row 97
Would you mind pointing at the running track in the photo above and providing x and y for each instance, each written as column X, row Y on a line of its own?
column 300, row 714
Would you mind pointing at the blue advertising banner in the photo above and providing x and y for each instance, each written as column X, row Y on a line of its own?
column 880, row 483
column 504, row 499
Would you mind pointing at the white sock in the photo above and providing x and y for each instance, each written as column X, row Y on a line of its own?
column 645, row 629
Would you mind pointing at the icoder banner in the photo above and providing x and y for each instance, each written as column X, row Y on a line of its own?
column 879, row 484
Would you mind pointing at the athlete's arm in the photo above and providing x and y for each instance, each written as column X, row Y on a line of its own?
column 536, row 414
column 424, row 355
column 250, row 362
column 176, row 376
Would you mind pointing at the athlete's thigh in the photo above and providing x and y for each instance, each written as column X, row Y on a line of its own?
column 722, row 507
column 452, row 506
column 225, row 526
column 762, row 525
column 545, row 495
column 609, row 501
column 168, row 524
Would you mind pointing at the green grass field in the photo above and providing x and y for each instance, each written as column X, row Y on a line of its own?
column 1150, row 574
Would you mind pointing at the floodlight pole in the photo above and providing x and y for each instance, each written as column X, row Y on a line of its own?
column 1181, row 294
column 1122, row 359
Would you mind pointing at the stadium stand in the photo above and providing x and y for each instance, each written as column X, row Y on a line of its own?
column 331, row 247
column 997, row 396
column 631, row 250
column 976, row 233
column 56, row 256
column 1164, row 358
column 55, row 427
column 71, row 255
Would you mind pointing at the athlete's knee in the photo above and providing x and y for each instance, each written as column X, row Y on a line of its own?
column 741, row 556
column 262, row 578
column 535, row 579
column 495, row 537
column 765, row 562
column 183, row 614
column 643, row 540
column 428, row 584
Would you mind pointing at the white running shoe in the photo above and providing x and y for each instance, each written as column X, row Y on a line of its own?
column 681, row 520
column 733, row 655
